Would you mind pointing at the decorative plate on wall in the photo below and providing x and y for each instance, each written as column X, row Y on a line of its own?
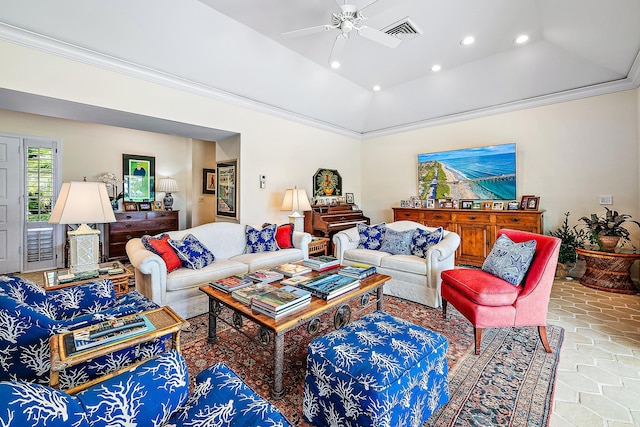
column 327, row 182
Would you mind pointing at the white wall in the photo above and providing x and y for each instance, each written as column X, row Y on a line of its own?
column 568, row 154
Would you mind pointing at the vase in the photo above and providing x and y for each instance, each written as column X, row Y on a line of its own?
column 608, row 243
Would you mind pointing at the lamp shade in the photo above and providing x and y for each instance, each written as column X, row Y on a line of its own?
column 295, row 200
column 82, row 203
column 167, row 185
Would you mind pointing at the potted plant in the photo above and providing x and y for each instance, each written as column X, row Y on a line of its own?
column 571, row 239
column 607, row 230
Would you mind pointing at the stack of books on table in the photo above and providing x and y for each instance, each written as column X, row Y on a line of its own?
column 246, row 294
column 110, row 331
column 358, row 271
column 328, row 286
column 321, row 263
column 232, row 283
column 291, row 270
column 265, row 276
column 281, row 302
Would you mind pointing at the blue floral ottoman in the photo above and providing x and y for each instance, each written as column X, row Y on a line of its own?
column 377, row 371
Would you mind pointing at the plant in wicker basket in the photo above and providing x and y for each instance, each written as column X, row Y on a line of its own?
column 572, row 238
column 607, row 231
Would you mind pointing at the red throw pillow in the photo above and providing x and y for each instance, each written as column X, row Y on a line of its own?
column 284, row 236
column 168, row 254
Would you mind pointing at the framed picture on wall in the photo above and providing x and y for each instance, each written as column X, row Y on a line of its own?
column 138, row 177
column 226, row 188
column 208, row 181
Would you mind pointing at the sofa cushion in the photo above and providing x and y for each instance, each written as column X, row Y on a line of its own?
column 185, row 278
column 193, row 253
column 407, row 263
column 508, row 260
column 371, row 236
column 266, row 260
column 364, row 256
column 263, row 240
column 397, row 242
column 161, row 247
column 481, row 287
column 423, row 239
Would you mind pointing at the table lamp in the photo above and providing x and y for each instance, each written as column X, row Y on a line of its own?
column 296, row 201
column 82, row 203
column 168, row 186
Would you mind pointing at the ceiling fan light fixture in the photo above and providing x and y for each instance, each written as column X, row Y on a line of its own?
column 521, row 39
column 468, row 40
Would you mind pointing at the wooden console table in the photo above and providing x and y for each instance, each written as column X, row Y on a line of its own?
column 609, row 271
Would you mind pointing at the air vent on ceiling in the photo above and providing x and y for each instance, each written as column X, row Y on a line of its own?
column 405, row 29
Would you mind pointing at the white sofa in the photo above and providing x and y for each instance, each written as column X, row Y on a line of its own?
column 226, row 241
column 413, row 278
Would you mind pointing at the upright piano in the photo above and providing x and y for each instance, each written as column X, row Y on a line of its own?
column 326, row 220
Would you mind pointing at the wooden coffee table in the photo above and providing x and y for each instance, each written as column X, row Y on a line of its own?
column 270, row 329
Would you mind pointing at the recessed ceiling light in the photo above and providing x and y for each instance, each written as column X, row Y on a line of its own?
column 521, row 39
column 335, row 64
column 468, row 40
column 376, row 88
column 436, row 68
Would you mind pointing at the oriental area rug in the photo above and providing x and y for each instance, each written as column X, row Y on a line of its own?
column 510, row 384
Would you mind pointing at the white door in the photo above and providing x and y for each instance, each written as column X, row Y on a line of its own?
column 10, row 204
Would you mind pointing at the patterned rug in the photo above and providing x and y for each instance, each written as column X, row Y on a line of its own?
column 512, row 378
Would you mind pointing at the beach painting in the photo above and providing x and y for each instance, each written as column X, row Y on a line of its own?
column 487, row 173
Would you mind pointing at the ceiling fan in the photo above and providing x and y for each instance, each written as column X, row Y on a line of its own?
column 347, row 21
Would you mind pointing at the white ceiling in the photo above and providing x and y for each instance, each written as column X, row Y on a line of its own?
column 234, row 49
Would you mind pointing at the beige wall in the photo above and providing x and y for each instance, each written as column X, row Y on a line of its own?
column 568, row 154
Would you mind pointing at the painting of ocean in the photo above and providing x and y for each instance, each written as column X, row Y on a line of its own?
column 487, row 173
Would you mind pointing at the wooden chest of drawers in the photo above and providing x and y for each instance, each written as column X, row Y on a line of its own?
column 477, row 229
column 136, row 224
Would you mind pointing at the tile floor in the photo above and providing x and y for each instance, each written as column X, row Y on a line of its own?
column 598, row 381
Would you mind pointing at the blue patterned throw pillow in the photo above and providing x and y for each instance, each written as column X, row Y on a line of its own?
column 397, row 242
column 192, row 252
column 508, row 260
column 261, row 240
column 371, row 236
column 422, row 240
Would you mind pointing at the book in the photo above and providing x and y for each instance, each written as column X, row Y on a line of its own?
column 280, row 298
column 322, row 262
column 230, row 284
column 359, row 271
column 329, row 286
column 295, row 280
column 266, row 276
column 110, row 330
column 245, row 294
column 291, row 270
column 282, row 313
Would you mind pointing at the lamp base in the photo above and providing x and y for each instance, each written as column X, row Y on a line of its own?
column 168, row 202
column 84, row 249
column 297, row 220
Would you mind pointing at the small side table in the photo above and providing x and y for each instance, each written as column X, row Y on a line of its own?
column 608, row 271
column 120, row 280
column 319, row 245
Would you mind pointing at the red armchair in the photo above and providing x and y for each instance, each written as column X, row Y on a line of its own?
column 490, row 302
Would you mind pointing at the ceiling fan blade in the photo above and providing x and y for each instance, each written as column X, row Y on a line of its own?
column 307, row 31
column 338, row 46
column 379, row 36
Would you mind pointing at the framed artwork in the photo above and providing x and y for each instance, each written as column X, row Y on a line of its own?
column 327, row 182
column 498, row 206
column 157, row 205
column 431, row 203
column 471, row 173
column 513, row 205
column 226, row 188
column 487, row 205
column 350, row 198
column 523, row 201
column 130, row 206
column 477, row 205
column 138, row 177
column 532, row 203
column 208, row 181
column 466, row 204
column 144, row 206
column 417, row 203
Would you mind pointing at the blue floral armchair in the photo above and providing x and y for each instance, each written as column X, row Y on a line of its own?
column 29, row 316
column 155, row 393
